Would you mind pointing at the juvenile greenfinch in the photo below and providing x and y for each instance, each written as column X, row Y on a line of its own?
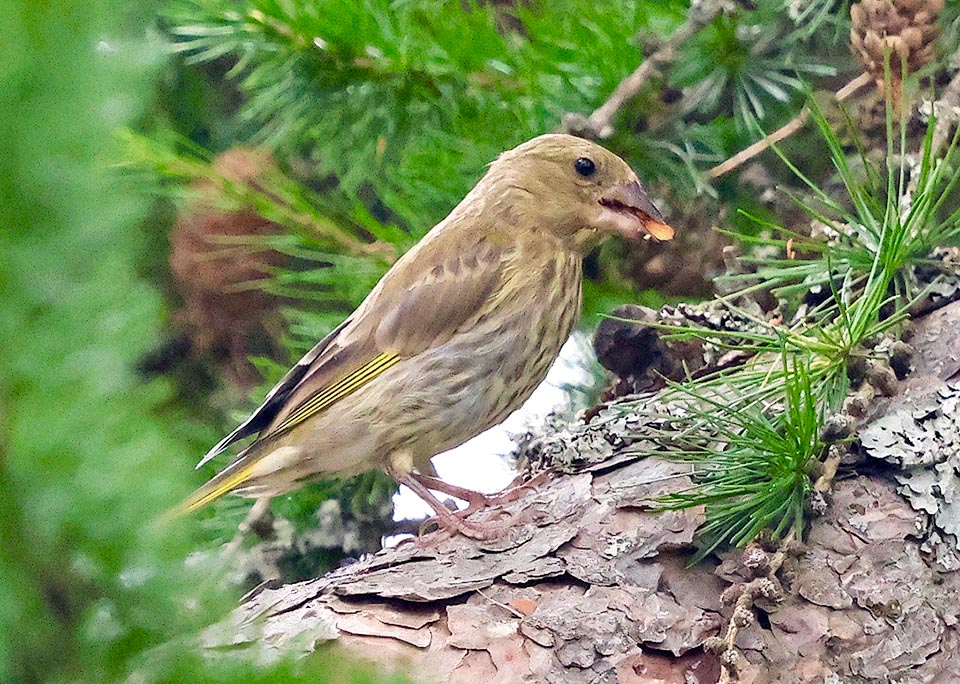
column 454, row 337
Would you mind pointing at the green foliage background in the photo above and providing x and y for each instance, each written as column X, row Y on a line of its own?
column 382, row 114
column 91, row 585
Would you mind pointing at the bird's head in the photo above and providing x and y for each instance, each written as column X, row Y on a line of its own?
column 578, row 190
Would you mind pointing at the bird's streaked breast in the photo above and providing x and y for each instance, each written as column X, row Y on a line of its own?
column 484, row 373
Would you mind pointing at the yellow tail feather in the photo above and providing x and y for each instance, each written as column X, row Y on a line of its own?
column 211, row 491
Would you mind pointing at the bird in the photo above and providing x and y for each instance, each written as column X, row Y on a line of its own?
column 453, row 338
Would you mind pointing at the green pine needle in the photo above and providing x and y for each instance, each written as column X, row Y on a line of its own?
column 750, row 465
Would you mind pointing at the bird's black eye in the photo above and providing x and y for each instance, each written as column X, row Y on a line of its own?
column 585, row 167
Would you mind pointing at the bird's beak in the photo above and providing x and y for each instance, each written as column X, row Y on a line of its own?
column 627, row 211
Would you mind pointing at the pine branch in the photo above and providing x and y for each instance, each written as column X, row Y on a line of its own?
column 784, row 131
column 600, row 122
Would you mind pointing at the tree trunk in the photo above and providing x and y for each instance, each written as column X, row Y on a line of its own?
column 593, row 586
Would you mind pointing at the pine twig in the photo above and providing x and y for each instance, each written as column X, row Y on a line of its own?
column 756, row 148
column 764, row 567
column 784, row 131
column 828, row 471
column 510, row 609
column 599, row 123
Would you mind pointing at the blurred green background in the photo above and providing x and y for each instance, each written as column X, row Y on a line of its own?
column 193, row 192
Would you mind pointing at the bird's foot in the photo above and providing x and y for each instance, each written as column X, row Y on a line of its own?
column 478, row 500
column 513, row 491
column 257, row 520
column 454, row 522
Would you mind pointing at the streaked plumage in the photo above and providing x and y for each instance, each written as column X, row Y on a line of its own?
column 455, row 336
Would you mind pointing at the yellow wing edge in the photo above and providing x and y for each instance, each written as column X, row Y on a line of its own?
column 331, row 394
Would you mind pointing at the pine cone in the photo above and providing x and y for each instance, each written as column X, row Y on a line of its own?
column 222, row 304
column 907, row 29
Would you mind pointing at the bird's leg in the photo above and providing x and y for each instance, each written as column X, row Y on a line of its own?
column 452, row 521
column 473, row 498
column 478, row 500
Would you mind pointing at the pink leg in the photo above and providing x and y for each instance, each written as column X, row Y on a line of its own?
column 478, row 500
column 449, row 520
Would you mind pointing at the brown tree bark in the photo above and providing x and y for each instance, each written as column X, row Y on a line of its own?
column 593, row 586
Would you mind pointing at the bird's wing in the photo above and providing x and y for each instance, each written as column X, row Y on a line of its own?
column 413, row 307
column 399, row 320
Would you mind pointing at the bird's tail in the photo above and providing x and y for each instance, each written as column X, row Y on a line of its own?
column 227, row 480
